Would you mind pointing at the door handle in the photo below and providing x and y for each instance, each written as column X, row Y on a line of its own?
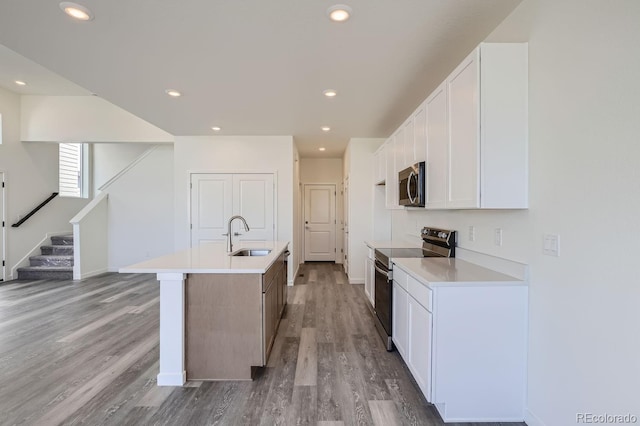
column 237, row 234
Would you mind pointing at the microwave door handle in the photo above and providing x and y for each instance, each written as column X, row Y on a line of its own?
column 411, row 199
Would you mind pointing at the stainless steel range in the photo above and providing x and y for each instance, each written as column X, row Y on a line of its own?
column 435, row 243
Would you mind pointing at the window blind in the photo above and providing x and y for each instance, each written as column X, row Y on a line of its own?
column 70, row 170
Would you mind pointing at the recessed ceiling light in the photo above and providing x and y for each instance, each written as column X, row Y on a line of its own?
column 325, row 128
column 329, row 93
column 216, row 128
column 76, row 11
column 339, row 13
column 173, row 93
column 322, row 149
column 20, row 83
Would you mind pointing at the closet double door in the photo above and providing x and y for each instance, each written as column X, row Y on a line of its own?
column 216, row 197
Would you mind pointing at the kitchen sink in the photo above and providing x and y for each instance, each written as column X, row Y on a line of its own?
column 252, row 252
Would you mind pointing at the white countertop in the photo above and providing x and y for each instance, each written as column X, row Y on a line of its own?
column 393, row 244
column 212, row 258
column 453, row 272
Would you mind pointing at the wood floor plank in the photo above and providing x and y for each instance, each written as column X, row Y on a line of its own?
column 299, row 295
column 303, row 410
column 307, row 365
column 96, row 324
column 384, row 413
column 155, row 396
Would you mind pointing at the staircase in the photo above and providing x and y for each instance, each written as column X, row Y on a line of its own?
column 55, row 262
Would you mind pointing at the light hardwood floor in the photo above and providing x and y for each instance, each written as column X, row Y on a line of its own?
column 87, row 353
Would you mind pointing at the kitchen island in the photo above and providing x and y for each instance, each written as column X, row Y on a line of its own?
column 218, row 313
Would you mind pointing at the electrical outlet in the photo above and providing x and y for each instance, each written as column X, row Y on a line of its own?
column 551, row 245
column 498, row 236
column 472, row 233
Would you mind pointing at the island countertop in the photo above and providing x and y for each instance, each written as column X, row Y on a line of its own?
column 212, row 258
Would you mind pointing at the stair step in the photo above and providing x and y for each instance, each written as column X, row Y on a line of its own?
column 45, row 273
column 49, row 260
column 62, row 240
column 57, row 250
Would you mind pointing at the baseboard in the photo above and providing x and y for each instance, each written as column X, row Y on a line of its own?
column 291, row 282
column 532, row 420
column 92, row 273
column 172, row 379
column 356, row 280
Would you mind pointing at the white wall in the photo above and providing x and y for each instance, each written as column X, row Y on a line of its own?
column 321, row 170
column 31, row 173
column 358, row 165
column 111, row 158
column 83, row 119
column 234, row 154
column 295, row 258
column 329, row 171
column 141, row 211
column 584, row 109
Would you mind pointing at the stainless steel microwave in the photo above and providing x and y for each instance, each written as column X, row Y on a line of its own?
column 411, row 186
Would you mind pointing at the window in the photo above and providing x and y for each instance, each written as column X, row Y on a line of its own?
column 73, row 170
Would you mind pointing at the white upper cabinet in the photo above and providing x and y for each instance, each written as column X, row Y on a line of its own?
column 400, row 162
column 437, row 166
column 409, row 150
column 487, row 113
column 464, row 133
column 391, row 181
column 420, row 134
column 380, row 165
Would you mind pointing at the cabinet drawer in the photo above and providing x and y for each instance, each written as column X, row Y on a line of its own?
column 420, row 292
column 400, row 277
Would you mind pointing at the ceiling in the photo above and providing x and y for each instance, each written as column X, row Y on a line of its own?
column 252, row 67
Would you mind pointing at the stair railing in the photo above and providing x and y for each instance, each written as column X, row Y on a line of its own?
column 35, row 210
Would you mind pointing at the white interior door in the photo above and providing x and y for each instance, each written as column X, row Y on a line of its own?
column 211, row 206
column 253, row 199
column 320, row 222
column 345, row 235
column 3, row 222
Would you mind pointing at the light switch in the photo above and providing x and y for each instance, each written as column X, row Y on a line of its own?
column 551, row 245
column 472, row 233
column 498, row 236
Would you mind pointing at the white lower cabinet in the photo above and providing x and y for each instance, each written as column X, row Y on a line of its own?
column 400, row 319
column 370, row 276
column 465, row 346
column 370, row 280
column 419, row 345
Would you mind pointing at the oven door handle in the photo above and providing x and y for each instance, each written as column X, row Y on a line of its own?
column 382, row 271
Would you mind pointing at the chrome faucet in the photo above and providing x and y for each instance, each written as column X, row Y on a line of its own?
column 246, row 228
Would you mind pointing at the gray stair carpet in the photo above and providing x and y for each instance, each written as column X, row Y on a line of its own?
column 55, row 262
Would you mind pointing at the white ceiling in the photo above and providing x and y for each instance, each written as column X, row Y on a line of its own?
column 252, row 67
